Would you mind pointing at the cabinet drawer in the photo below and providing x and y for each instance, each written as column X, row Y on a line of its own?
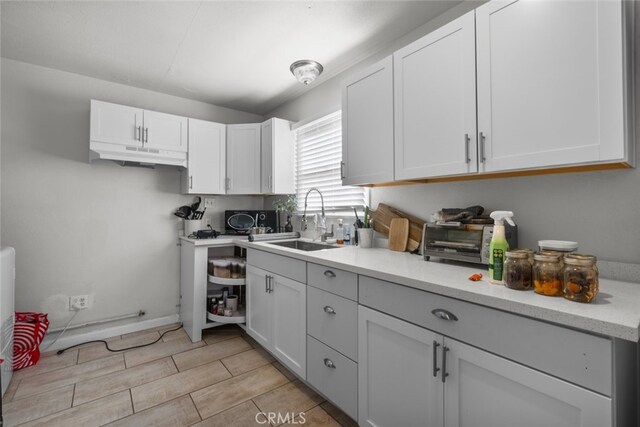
column 333, row 320
column 578, row 357
column 333, row 375
column 278, row 264
column 339, row 282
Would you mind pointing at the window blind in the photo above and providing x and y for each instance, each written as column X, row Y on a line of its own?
column 318, row 157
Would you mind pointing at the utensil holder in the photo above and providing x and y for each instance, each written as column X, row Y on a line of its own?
column 365, row 237
column 191, row 226
column 232, row 302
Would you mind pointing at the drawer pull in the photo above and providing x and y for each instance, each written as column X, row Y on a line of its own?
column 329, row 363
column 330, row 274
column 435, row 358
column 444, row 314
column 329, row 310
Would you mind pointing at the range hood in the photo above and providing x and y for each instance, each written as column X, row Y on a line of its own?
column 137, row 155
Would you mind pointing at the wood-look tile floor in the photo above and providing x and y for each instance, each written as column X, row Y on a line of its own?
column 224, row 380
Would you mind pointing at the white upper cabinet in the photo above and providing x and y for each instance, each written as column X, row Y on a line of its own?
column 243, row 159
column 206, row 166
column 277, row 157
column 165, row 131
column 551, row 83
column 435, row 103
column 367, row 125
column 116, row 124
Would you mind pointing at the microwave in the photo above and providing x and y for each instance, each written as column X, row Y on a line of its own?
column 462, row 241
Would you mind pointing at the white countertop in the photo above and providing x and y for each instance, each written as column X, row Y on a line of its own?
column 615, row 311
column 222, row 240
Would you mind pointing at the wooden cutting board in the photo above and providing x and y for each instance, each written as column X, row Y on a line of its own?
column 381, row 222
column 399, row 234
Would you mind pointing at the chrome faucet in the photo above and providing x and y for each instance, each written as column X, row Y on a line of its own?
column 322, row 223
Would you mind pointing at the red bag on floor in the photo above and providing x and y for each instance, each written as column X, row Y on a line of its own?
column 28, row 333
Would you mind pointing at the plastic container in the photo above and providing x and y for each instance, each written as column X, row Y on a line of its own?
column 580, row 275
column 222, row 268
column 562, row 246
column 547, row 274
column 518, row 271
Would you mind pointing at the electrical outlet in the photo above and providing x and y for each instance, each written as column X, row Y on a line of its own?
column 207, row 221
column 78, row 302
column 209, row 202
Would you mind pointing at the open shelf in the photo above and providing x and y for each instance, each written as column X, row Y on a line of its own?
column 238, row 317
column 227, row 282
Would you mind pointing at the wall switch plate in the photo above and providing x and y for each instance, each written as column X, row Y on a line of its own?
column 209, row 202
column 78, row 302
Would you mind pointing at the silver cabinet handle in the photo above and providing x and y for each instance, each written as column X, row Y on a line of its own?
column 444, row 314
column 435, row 358
column 266, row 283
column 467, row 159
column 146, row 134
column 342, row 170
column 329, row 310
column 270, row 183
column 190, row 182
column 330, row 274
column 482, row 157
column 227, row 183
column 270, row 284
column 329, row 363
column 445, row 374
column 138, row 133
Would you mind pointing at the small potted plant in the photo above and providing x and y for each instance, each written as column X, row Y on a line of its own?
column 288, row 206
column 365, row 232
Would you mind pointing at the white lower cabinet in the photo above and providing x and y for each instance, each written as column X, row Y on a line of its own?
column 410, row 376
column 276, row 316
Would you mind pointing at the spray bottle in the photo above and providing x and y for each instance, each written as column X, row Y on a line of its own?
column 498, row 246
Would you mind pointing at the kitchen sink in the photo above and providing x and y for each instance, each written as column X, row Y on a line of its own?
column 302, row 245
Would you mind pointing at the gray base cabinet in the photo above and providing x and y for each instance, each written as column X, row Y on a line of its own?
column 276, row 316
column 411, row 376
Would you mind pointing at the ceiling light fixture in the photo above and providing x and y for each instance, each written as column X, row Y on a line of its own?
column 306, row 70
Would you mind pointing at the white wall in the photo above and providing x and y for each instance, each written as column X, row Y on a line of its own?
column 597, row 209
column 81, row 228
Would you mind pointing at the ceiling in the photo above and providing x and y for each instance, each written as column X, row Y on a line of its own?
column 234, row 54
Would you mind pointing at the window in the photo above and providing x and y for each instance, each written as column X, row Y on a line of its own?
column 318, row 157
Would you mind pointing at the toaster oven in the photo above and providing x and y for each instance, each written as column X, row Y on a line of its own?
column 462, row 241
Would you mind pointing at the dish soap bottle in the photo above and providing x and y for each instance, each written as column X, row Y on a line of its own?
column 498, row 246
column 340, row 233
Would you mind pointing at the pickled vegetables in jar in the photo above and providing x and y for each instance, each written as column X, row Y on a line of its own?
column 517, row 270
column 580, row 275
column 547, row 274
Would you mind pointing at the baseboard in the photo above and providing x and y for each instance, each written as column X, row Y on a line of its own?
column 107, row 332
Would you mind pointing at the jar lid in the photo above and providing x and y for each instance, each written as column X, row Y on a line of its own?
column 558, row 245
column 580, row 259
column 547, row 257
column 527, row 250
column 517, row 254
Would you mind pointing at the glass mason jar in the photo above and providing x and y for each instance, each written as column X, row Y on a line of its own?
column 517, row 270
column 528, row 251
column 580, row 275
column 547, row 274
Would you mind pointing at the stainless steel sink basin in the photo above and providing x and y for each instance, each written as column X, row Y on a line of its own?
column 301, row 245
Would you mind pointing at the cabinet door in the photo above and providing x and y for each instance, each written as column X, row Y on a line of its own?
column 550, row 83
column 289, row 323
column 266, row 157
column 206, row 169
column 258, row 306
column 277, row 157
column 116, row 124
column 165, row 131
column 396, row 381
column 243, row 159
column 435, row 103
column 486, row 390
column 367, row 125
